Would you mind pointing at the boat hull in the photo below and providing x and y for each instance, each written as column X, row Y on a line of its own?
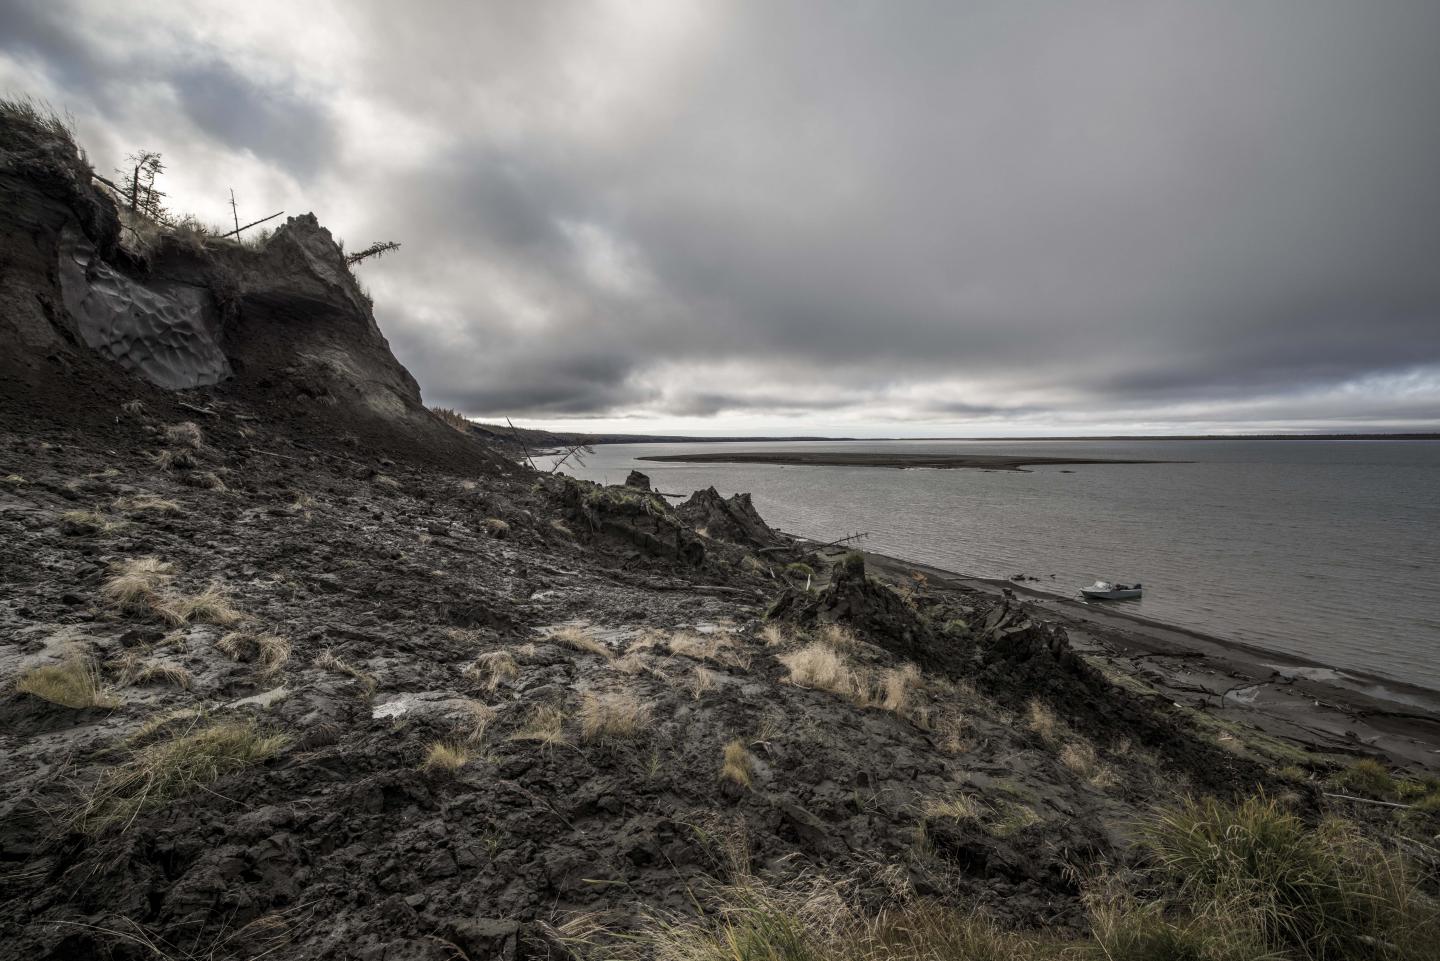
column 1110, row 595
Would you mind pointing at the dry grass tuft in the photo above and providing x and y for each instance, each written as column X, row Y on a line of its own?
column 147, row 504
column 774, row 635
column 738, row 764
column 841, row 638
column 702, row 681
column 73, row 683
column 1012, row 817
column 136, row 584
column 954, row 807
column 446, row 756
column 1080, row 758
column 269, row 651
column 135, row 669
column 632, row 663
column 612, row 717
column 819, row 666
column 174, row 460
column 896, row 685
column 720, row 647
column 1368, row 777
column 496, row 527
column 210, row 606
column 476, row 722
column 950, row 729
column 172, row 768
column 560, row 528
column 1043, row 721
column 204, row 480
column 329, row 661
column 274, row 653
column 186, row 434
column 545, row 724
column 91, row 522
column 387, row 482
column 581, row 640
column 493, row 669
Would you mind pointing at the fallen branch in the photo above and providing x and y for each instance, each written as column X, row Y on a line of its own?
column 109, row 183
column 271, row 453
column 516, row 434
column 843, row 540
column 374, row 250
column 1366, row 800
column 249, row 225
column 576, row 451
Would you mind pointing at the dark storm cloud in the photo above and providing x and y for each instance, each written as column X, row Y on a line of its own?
column 222, row 103
column 1219, row 212
column 245, row 116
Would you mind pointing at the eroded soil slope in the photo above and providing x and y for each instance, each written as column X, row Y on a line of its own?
column 620, row 709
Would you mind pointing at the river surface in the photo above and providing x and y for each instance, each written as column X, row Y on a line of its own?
column 1325, row 549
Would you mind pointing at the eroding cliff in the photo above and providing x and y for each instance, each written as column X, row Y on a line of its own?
column 95, row 300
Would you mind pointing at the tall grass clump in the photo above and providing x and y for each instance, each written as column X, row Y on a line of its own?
column 446, row 756
column 737, row 764
column 612, row 717
column 822, row 668
column 134, row 588
column 1319, row 892
column 73, row 683
column 37, row 115
column 1368, row 778
column 210, row 606
column 167, row 770
column 579, row 639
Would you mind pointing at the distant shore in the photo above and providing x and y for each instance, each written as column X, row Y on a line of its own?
column 899, row 460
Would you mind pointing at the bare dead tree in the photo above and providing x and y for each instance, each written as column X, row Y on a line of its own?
column 576, row 453
column 235, row 212
column 137, row 183
column 374, row 250
column 521, row 441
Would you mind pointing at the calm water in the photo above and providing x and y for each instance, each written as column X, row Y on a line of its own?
column 1326, row 549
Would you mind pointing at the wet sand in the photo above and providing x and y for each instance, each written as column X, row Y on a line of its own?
column 1303, row 702
column 872, row 459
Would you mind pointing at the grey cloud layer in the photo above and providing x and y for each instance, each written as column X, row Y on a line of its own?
column 943, row 213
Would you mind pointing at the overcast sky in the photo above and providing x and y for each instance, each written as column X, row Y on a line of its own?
column 865, row 218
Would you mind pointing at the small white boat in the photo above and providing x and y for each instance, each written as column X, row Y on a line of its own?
column 1105, row 591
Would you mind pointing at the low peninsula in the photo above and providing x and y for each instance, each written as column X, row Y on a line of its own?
column 898, row 460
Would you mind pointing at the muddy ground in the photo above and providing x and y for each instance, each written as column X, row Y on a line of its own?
column 391, row 579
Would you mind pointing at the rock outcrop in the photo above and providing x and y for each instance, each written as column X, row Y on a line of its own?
column 734, row 520
column 874, row 610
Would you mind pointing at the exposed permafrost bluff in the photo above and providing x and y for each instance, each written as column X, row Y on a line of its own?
column 294, row 666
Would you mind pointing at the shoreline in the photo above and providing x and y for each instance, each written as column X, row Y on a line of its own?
column 1296, row 699
column 1005, row 462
